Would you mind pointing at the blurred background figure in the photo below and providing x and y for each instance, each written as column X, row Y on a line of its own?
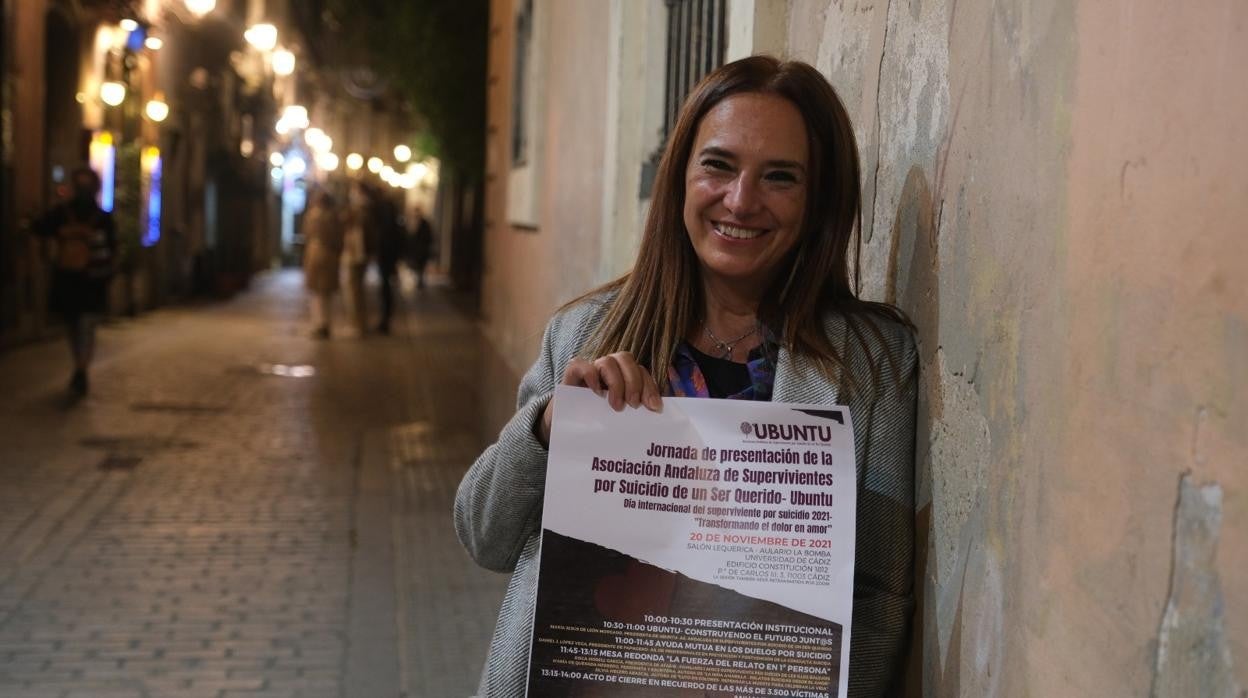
column 323, row 233
column 421, row 244
column 84, row 256
column 356, row 253
column 390, row 238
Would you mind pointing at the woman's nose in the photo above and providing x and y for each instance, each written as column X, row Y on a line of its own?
column 742, row 198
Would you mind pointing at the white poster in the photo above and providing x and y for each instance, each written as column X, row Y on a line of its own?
column 707, row 550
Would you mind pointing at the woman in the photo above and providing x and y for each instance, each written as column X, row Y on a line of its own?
column 741, row 289
column 322, row 231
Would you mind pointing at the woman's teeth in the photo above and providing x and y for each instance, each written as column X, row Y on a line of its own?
column 738, row 233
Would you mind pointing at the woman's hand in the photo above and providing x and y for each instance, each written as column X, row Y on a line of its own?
column 618, row 376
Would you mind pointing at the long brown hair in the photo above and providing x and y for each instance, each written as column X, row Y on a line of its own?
column 660, row 302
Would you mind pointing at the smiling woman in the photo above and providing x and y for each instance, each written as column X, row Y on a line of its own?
column 741, row 290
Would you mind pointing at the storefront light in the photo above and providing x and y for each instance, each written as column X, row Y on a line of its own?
column 283, row 62
column 327, row 161
column 199, row 8
column 295, row 116
column 157, row 110
column 262, row 36
column 112, row 93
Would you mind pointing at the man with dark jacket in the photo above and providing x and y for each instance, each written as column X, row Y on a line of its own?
column 83, row 263
column 389, row 251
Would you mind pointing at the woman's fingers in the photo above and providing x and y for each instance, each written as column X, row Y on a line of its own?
column 650, row 394
column 634, row 377
column 618, row 377
column 580, row 372
column 613, row 378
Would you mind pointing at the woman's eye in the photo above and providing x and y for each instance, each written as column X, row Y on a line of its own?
column 781, row 176
column 714, row 164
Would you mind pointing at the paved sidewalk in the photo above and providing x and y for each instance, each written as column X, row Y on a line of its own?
column 213, row 522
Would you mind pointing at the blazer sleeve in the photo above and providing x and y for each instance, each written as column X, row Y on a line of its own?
column 498, row 505
column 884, row 557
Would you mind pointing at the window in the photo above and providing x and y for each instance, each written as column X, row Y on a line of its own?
column 697, row 37
column 520, row 85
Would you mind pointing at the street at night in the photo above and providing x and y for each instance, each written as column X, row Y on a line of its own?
column 238, row 509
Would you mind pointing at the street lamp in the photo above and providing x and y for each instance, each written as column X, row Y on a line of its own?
column 402, row 153
column 263, row 36
column 283, row 62
column 199, row 8
column 355, row 161
column 112, row 93
column 295, row 116
column 327, row 161
column 157, row 109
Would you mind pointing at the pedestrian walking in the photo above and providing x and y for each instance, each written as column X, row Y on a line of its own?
column 323, row 235
column 355, row 254
column 84, row 261
column 421, row 246
column 390, row 239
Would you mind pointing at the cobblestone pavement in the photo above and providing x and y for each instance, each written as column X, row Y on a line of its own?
column 213, row 522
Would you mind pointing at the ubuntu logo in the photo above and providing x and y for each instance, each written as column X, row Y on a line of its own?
column 746, row 428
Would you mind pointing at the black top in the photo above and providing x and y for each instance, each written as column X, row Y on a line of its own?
column 723, row 377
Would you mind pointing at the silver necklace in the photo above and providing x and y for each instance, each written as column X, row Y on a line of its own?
column 725, row 347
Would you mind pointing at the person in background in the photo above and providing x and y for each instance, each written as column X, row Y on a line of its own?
column 83, row 264
column 323, row 234
column 390, row 236
column 355, row 253
column 421, row 244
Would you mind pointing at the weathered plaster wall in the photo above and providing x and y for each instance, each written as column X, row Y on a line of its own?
column 1057, row 193
column 530, row 273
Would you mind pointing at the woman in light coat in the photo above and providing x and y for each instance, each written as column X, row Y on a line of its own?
column 742, row 289
column 322, row 234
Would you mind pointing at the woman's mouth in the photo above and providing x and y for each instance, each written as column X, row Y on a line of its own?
column 734, row 232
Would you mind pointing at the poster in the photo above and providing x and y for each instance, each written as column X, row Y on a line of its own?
column 703, row 551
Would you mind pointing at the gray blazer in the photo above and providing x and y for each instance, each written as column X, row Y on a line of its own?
column 498, row 508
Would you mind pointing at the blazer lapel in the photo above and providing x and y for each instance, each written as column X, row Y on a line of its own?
column 798, row 378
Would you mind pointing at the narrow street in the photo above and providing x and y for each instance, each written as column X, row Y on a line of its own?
column 240, row 510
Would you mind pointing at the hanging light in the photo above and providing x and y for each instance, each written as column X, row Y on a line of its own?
column 154, row 43
column 199, row 8
column 375, row 164
column 402, row 153
column 263, row 36
column 283, row 62
column 327, row 161
column 157, row 109
column 112, row 93
column 355, row 161
column 318, row 140
column 295, row 116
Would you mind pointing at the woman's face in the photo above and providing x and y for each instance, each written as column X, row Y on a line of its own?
column 745, row 188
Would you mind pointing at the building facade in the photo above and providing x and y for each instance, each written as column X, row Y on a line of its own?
column 1054, row 192
column 152, row 95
